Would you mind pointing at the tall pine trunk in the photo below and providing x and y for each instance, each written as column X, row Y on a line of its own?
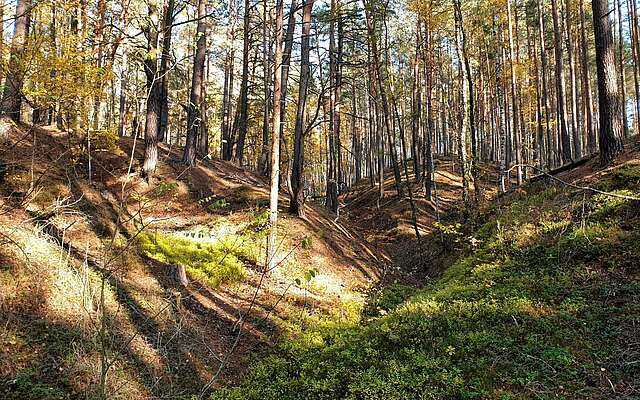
column 565, row 138
column 611, row 130
column 297, row 172
column 275, row 140
column 12, row 94
column 194, row 118
column 153, row 95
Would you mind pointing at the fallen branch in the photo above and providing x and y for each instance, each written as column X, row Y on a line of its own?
column 585, row 188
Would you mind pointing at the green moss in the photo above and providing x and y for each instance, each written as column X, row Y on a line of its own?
column 215, row 263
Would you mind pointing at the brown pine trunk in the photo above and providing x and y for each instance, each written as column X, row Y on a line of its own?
column 577, row 142
column 243, row 101
column 153, row 95
column 565, row 138
column 611, row 130
column 12, row 96
column 551, row 147
column 635, row 49
column 587, row 108
column 167, row 28
column 297, row 172
column 467, row 123
column 275, row 139
column 263, row 162
column 514, row 99
column 623, row 83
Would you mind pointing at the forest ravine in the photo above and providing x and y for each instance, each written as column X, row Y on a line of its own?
column 319, row 199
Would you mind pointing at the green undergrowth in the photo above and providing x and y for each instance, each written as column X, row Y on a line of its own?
column 216, row 261
column 543, row 302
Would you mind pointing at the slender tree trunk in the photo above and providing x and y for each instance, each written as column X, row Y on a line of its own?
column 194, row 119
column 416, row 111
column 429, row 169
column 297, row 172
column 467, row 123
column 263, row 162
column 577, row 142
column 514, row 99
column 229, row 128
column 123, row 94
column 623, row 83
column 586, row 84
column 551, row 148
column 566, row 139
column 635, row 50
column 243, row 101
column 275, row 139
column 167, row 29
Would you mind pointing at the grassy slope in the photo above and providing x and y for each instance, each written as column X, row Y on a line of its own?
column 542, row 302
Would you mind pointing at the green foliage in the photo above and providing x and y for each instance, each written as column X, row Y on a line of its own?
column 544, row 307
column 218, row 204
column 105, row 140
column 27, row 385
column 307, row 243
column 386, row 300
column 307, row 277
column 218, row 262
column 214, row 203
column 260, row 222
column 165, row 188
column 450, row 235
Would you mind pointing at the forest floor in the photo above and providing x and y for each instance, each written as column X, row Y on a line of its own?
column 62, row 231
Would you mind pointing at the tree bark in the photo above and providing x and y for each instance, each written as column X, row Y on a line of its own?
column 591, row 142
column 623, row 84
column 611, row 130
column 12, row 96
column 167, row 28
column 565, row 138
column 297, row 172
column 275, row 139
column 153, row 95
column 194, row 119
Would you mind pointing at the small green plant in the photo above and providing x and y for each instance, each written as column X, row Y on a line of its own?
column 218, row 204
column 383, row 301
column 307, row 277
column 307, row 243
column 165, row 188
column 104, row 140
column 451, row 235
column 260, row 222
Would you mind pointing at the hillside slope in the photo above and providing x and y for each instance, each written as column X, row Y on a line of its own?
column 389, row 222
column 89, row 268
column 542, row 300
